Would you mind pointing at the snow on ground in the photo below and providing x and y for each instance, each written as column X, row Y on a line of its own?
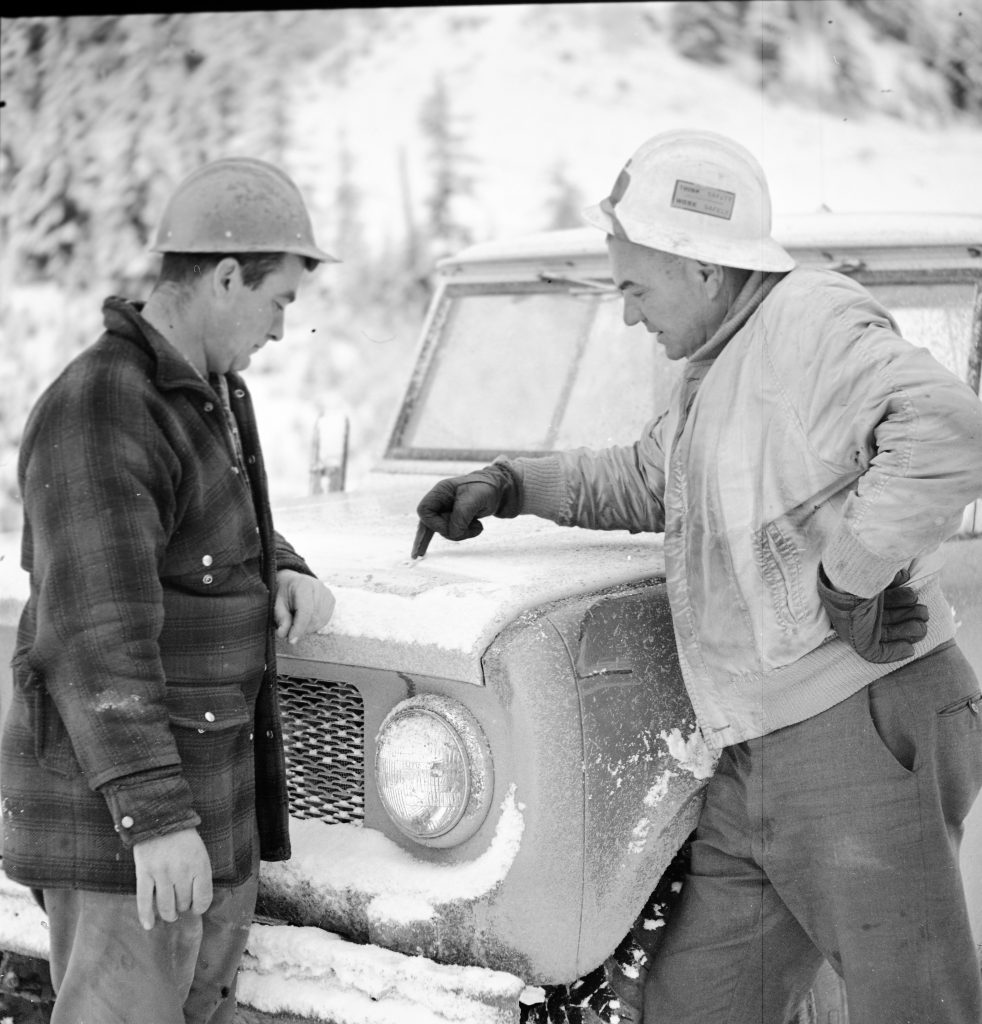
column 23, row 925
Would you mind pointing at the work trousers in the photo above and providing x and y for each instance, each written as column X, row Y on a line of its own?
column 107, row 969
column 837, row 837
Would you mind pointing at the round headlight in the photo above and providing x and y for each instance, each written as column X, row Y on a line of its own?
column 433, row 769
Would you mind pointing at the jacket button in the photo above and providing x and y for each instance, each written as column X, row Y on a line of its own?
column 126, row 821
column 208, row 578
column 239, row 393
column 252, row 460
column 235, row 469
column 209, row 716
column 209, row 406
column 207, row 560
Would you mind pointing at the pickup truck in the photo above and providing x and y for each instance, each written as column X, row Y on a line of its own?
column 494, row 764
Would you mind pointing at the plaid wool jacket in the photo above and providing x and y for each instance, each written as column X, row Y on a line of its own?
column 144, row 671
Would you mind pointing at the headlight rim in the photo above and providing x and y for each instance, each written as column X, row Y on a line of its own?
column 479, row 768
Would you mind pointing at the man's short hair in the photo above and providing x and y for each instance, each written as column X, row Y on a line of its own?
column 181, row 268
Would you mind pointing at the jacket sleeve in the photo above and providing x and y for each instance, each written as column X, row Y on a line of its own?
column 618, row 488
column 914, row 442
column 287, row 557
column 98, row 487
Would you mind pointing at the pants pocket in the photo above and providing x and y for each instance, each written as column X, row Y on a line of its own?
column 959, row 726
column 894, row 726
column 964, row 705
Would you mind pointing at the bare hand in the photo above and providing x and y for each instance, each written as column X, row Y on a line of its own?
column 303, row 605
column 176, row 868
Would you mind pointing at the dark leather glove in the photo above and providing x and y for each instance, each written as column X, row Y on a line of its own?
column 881, row 628
column 454, row 507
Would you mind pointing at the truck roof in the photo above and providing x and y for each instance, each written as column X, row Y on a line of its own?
column 819, row 238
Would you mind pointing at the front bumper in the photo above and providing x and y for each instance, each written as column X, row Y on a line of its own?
column 357, row 881
column 315, row 975
column 320, row 976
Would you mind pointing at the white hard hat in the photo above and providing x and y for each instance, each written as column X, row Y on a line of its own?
column 695, row 194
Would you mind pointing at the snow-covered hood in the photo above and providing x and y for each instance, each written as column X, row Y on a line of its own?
column 437, row 615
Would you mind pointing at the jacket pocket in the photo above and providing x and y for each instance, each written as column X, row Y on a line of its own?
column 207, row 722
column 212, row 729
column 779, row 562
column 53, row 748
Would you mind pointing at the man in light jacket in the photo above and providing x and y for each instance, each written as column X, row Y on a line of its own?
column 143, row 763
column 809, row 467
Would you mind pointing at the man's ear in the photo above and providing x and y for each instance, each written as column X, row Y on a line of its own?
column 712, row 276
column 227, row 275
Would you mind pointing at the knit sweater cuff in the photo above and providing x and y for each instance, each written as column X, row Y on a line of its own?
column 852, row 567
column 543, row 487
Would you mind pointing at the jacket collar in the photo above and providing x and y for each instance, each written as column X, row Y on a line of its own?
column 756, row 288
column 171, row 369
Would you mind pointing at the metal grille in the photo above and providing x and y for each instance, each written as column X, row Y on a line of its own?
column 324, row 733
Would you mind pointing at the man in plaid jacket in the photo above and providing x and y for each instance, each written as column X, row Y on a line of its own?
column 143, row 771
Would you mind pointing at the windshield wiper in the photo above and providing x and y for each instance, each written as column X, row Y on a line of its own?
column 580, row 286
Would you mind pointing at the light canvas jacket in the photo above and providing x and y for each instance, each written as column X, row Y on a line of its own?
column 805, row 431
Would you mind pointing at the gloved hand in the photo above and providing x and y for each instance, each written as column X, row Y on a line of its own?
column 881, row 628
column 454, row 507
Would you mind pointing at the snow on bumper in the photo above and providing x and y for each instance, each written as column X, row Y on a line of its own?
column 359, row 882
column 310, row 972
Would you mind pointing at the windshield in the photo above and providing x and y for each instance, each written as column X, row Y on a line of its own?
column 935, row 316
column 536, row 369
column 540, row 367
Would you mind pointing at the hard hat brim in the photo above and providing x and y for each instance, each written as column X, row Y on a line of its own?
column 750, row 254
column 309, row 251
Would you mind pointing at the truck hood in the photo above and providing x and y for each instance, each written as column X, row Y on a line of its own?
column 437, row 615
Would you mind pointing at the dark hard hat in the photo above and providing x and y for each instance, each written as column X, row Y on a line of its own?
column 238, row 205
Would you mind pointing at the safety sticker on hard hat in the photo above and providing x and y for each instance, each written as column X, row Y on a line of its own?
column 716, row 202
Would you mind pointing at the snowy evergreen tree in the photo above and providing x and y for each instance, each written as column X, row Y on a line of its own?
column 105, row 114
column 444, row 138
column 708, row 31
